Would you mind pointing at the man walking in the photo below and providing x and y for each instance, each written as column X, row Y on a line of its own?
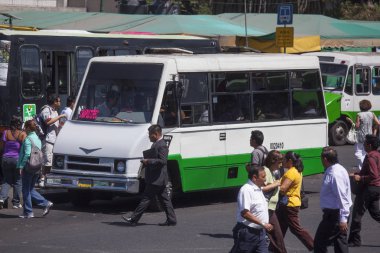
column 259, row 152
column 368, row 196
column 51, row 118
column 252, row 215
column 335, row 202
column 156, row 179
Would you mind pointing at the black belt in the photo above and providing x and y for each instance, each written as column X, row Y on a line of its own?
column 329, row 210
column 250, row 229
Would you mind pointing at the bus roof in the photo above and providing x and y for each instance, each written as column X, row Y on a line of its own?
column 223, row 62
column 82, row 33
column 349, row 58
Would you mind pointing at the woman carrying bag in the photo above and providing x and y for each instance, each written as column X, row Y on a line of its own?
column 291, row 187
column 29, row 179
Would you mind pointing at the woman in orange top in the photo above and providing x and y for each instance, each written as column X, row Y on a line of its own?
column 291, row 187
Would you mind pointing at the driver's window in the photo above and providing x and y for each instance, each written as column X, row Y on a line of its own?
column 376, row 80
column 348, row 87
column 169, row 111
column 362, row 80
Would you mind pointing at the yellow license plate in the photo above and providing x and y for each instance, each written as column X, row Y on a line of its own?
column 85, row 183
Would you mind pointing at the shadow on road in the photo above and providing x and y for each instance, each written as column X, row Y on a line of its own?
column 221, row 236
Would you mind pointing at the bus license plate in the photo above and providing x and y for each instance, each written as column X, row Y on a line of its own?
column 85, row 183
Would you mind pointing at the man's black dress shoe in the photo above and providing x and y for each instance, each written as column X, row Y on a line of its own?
column 129, row 220
column 168, row 223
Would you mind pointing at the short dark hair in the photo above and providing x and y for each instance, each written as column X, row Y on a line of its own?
column 155, row 129
column 52, row 98
column 15, row 123
column 272, row 157
column 365, row 105
column 296, row 159
column 258, row 136
column 31, row 124
column 330, row 154
column 372, row 140
column 254, row 171
column 69, row 101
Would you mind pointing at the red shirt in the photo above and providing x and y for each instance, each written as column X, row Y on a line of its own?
column 370, row 172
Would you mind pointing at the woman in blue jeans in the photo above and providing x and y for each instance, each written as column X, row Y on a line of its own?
column 12, row 140
column 30, row 179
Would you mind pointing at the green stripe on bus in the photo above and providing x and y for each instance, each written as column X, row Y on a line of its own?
column 206, row 173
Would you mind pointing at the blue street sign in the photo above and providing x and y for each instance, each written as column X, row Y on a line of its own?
column 285, row 14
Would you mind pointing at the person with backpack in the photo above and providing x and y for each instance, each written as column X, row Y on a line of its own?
column 29, row 163
column 12, row 140
column 259, row 152
column 50, row 118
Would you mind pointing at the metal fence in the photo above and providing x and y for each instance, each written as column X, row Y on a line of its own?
column 30, row 3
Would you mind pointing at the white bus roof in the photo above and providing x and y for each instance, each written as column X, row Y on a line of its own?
column 223, row 62
column 82, row 33
column 349, row 58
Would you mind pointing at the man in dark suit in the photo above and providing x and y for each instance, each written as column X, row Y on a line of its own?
column 156, row 179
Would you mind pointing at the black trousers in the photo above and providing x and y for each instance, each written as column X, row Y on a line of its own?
column 328, row 233
column 149, row 194
column 368, row 199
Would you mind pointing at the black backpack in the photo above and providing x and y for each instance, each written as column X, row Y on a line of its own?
column 42, row 127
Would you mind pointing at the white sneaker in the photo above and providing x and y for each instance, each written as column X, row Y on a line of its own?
column 16, row 206
column 47, row 208
column 27, row 216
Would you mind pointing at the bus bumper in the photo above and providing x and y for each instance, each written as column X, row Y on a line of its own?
column 127, row 185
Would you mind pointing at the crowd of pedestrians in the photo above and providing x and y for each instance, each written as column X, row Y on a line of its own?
column 269, row 203
column 18, row 143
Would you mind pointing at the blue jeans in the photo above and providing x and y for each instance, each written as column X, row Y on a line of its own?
column 11, row 178
column 29, row 194
column 249, row 240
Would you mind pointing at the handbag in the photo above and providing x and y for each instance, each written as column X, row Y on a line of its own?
column 304, row 198
column 351, row 137
column 283, row 200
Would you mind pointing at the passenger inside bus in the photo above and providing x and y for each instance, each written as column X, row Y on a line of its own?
column 108, row 107
column 228, row 110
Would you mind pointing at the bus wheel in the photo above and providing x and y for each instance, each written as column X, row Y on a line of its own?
column 338, row 133
column 80, row 198
column 155, row 205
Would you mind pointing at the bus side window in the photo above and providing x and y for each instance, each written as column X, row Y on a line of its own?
column 376, row 80
column 307, row 99
column 362, row 79
column 270, row 96
column 195, row 101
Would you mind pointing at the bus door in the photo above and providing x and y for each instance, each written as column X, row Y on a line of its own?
column 58, row 69
column 347, row 103
column 362, row 84
column 375, row 88
column 82, row 57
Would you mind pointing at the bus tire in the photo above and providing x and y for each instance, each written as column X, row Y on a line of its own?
column 338, row 132
column 80, row 198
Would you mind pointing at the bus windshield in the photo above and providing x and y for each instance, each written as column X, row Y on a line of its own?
column 119, row 93
column 333, row 76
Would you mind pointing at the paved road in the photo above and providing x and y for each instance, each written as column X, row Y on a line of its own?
column 205, row 223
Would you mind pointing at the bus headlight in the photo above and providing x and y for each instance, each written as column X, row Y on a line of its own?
column 119, row 166
column 59, row 161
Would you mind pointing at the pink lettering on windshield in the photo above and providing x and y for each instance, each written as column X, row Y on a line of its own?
column 88, row 114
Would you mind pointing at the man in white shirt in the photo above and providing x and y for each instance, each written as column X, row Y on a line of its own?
column 252, row 215
column 67, row 110
column 335, row 202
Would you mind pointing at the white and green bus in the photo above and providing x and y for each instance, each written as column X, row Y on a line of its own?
column 207, row 105
column 347, row 79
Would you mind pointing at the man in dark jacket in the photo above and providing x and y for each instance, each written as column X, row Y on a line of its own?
column 156, row 179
